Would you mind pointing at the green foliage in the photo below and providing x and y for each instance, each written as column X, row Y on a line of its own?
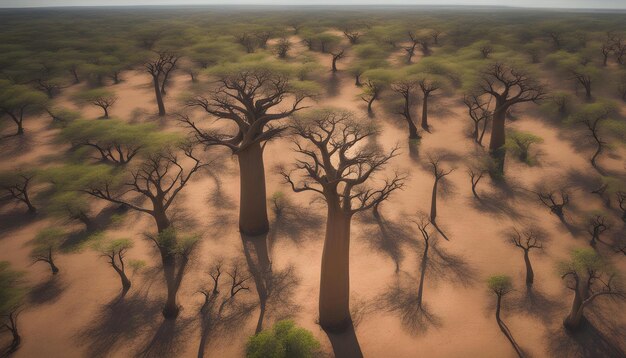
column 19, row 100
column 284, row 340
column 136, row 265
column 12, row 288
column 105, row 245
column 519, row 143
column 94, row 96
column 582, row 261
column 500, row 284
column 62, row 116
column 174, row 243
column 48, row 239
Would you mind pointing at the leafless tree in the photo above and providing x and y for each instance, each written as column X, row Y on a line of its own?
column 160, row 68
column 427, row 86
column 509, row 86
column 245, row 40
column 527, row 240
column 251, row 99
column 596, row 225
column 405, row 89
column 439, row 173
column 338, row 166
column 352, row 35
column 555, row 201
column 410, row 49
column 422, row 225
column 475, row 174
column 17, row 185
column 479, row 112
column 218, row 308
column 435, row 35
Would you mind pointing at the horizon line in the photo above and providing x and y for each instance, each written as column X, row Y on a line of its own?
column 296, row 5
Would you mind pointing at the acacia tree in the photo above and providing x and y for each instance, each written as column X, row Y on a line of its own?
column 527, row 240
column 337, row 55
column 159, row 179
column 352, row 35
column 501, row 285
column 220, row 308
column 12, row 293
column 410, row 49
column 405, row 89
column 592, row 117
column 376, row 80
column 589, row 277
column 46, row 243
column 478, row 110
column 509, row 86
column 160, row 68
column 17, row 102
column 596, row 225
column 519, row 143
column 249, row 96
column 17, row 184
column 102, row 98
column 337, row 166
column 439, row 173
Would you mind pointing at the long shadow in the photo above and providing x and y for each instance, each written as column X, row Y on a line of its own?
column 538, row 305
column 47, row 292
column 401, row 299
column 215, row 324
column 345, row 344
column 168, row 340
column 100, row 222
column 333, row 85
column 587, row 342
column 296, row 222
column 274, row 288
column 446, row 266
column 115, row 326
column 14, row 220
column 390, row 236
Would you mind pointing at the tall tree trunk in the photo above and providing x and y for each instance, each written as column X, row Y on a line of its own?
column 407, row 115
column 252, row 202
column 433, row 202
column 20, row 127
column 498, row 137
column 31, row 208
column 106, row 112
column 159, row 98
column 334, row 304
column 171, row 308
column 530, row 275
column 574, row 319
column 425, row 112
column 423, row 265
column 505, row 329
column 125, row 281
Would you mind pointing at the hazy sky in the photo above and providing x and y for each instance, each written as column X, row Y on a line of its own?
column 614, row 4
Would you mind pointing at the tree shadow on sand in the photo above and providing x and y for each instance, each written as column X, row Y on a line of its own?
column 587, row 342
column 15, row 220
column 538, row 305
column 333, row 85
column 401, row 299
column 297, row 223
column 504, row 201
column 387, row 236
column 48, row 291
column 275, row 288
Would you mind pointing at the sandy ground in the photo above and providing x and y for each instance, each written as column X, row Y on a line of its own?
column 69, row 316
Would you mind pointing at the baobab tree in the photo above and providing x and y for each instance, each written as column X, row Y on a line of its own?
column 159, row 180
column 13, row 292
column 46, row 243
column 509, row 86
column 17, row 102
column 428, row 84
column 219, row 308
column 589, row 277
column 527, row 240
column 478, row 110
column 597, row 224
column 17, row 184
column 501, row 285
column 592, row 117
column 405, row 88
column 160, row 68
column 338, row 166
column 250, row 96
column 439, row 173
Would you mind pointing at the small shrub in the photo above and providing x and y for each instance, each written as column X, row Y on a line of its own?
column 284, row 340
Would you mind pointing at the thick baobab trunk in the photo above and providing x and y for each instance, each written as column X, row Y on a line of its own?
column 252, row 203
column 425, row 112
column 159, row 97
column 498, row 137
column 334, row 305
column 574, row 319
column 530, row 275
column 423, row 265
